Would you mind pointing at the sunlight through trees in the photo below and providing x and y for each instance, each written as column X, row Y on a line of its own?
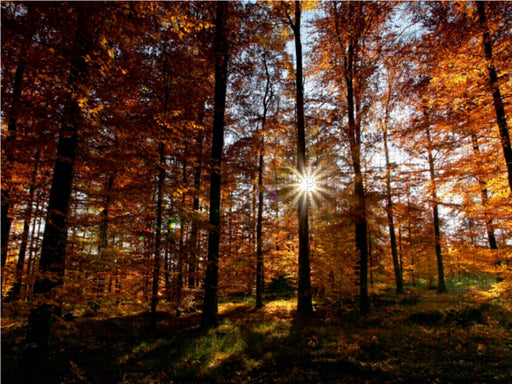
column 169, row 155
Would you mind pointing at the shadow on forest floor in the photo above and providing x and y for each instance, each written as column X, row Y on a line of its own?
column 438, row 340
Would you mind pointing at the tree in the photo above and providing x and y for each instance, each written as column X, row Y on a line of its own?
column 221, row 47
column 21, row 57
column 451, row 54
column 304, row 303
column 496, row 93
column 441, row 287
column 387, row 105
column 53, row 252
column 351, row 49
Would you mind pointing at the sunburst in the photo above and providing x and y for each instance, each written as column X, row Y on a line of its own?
column 310, row 186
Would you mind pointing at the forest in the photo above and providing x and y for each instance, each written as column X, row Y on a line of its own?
column 256, row 192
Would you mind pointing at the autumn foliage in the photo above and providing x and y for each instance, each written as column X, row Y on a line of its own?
column 152, row 153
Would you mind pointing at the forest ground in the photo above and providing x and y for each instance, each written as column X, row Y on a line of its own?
column 414, row 338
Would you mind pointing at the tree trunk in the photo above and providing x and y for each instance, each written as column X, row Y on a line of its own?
column 103, row 245
column 485, row 199
column 210, row 307
column 260, row 282
column 157, row 261
column 16, row 288
column 360, row 215
column 193, row 268
column 260, row 274
column 441, row 286
column 183, row 254
column 390, row 216
column 53, row 251
column 304, row 303
column 496, row 94
column 7, row 168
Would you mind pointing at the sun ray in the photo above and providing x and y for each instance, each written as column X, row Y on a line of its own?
column 310, row 186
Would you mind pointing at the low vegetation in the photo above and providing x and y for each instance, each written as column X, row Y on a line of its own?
column 450, row 338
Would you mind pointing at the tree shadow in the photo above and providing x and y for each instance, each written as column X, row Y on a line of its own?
column 268, row 345
column 89, row 350
column 281, row 347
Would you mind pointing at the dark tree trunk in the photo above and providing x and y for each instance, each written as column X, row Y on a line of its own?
column 53, row 251
column 354, row 134
column 260, row 274
column 183, row 254
column 210, row 307
column 7, row 166
column 496, row 94
column 441, row 286
column 390, row 216
column 360, row 216
column 193, row 267
column 157, row 260
column 304, row 303
column 485, row 199
column 107, row 198
column 16, row 288
column 103, row 233
column 260, row 282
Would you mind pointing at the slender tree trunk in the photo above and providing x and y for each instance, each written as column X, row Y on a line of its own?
column 304, row 303
column 390, row 216
column 260, row 274
column 485, row 199
column 496, row 94
column 210, row 306
column 194, row 231
column 107, row 198
column 184, row 254
column 157, row 261
column 260, row 278
column 16, row 289
column 29, row 27
column 9, row 159
column 34, row 246
column 360, row 216
column 354, row 133
column 441, row 286
column 409, row 242
column 103, row 233
column 53, row 250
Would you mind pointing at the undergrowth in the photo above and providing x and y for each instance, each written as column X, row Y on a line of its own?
column 467, row 341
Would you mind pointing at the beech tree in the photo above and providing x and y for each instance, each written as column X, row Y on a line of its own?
column 454, row 44
column 354, row 28
column 304, row 303
column 221, row 52
column 495, row 88
column 53, row 251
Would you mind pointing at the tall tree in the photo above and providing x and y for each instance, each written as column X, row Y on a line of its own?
column 441, row 285
column 304, row 302
column 20, row 264
column 221, row 58
column 351, row 47
column 53, row 251
column 23, row 25
column 387, row 104
column 157, row 261
column 495, row 89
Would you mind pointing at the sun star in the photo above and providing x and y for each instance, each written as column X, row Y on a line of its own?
column 308, row 183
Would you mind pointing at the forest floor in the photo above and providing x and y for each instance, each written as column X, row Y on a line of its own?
column 427, row 339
